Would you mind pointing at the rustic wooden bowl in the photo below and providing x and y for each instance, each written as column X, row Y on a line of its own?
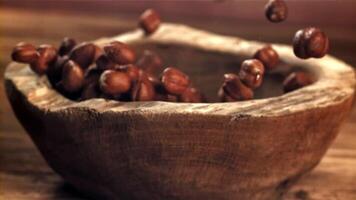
column 159, row 150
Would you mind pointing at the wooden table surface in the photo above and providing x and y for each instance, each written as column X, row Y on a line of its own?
column 25, row 175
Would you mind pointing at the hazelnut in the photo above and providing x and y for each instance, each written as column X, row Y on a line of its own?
column 24, row 53
column 120, row 53
column 251, row 73
column 150, row 62
column 92, row 75
column 276, row 10
column 66, row 46
column 143, row 89
column 149, row 21
column 72, row 77
column 234, row 90
column 131, row 70
column 83, row 54
column 174, row 81
column 268, row 56
column 47, row 56
column 104, row 63
column 191, row 95
column 54, row 71
column 310, row 43
column 114, row 82
column 295, row 81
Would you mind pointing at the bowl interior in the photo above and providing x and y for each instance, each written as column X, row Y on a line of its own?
column 206, row 69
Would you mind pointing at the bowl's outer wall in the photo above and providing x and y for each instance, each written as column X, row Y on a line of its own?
column 137, row 155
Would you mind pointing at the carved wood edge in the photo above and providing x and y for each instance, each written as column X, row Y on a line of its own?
column 335, row 82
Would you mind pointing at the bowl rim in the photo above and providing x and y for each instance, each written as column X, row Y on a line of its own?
column 335, row 79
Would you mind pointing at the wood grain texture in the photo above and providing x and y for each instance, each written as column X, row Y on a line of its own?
column 205, row 150
column 25, row 175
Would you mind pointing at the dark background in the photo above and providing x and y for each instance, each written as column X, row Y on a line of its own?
column 22, row 168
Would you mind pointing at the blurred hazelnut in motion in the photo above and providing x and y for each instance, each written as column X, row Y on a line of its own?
column 149, row 21
column 276, row 10
column 150, row 62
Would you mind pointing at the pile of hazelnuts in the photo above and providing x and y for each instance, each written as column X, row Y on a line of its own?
column 85, row 70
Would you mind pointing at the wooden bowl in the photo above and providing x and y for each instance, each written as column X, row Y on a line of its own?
column 159, row 150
